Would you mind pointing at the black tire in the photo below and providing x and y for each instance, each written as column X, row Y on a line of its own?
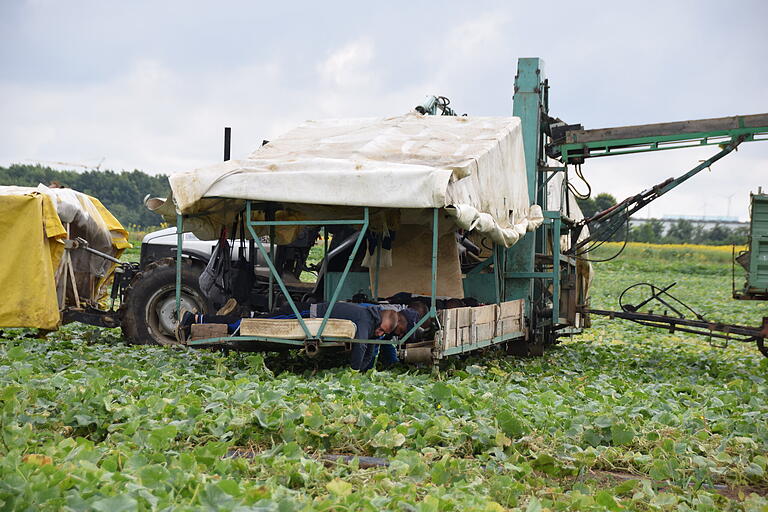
column 148, row 313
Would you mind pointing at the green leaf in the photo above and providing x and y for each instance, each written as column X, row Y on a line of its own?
column 510, row 424
column 604, row 499
column 754, row 470
column 534, row 505
column 388, row 439
column 603, row 421
column 154, row 475
column 339, row 487
column 625, row 487
column 9, row 392
column 313, row 417
column 622, row 434
column 439, row 474
column 664, row 499
column 441, row 391
column 16, row 354
column 120, row 503
column 161, row 437
column 546, row 463
column 230, row 487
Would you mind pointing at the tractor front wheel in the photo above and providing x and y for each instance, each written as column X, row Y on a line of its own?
column 149, row 310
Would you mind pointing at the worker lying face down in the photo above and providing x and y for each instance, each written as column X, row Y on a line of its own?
column 371, row 322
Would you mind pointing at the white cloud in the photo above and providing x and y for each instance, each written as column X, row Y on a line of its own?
column 477, row 38
column 149, row 118
column 349, row 66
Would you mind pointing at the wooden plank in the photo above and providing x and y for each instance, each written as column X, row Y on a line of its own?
column 662, row 129
column 291, row 329
column 451, row 338
column 508, row 325
column 464, row 316
column 448, row 318
column 464, row 335
column 483, row 314
column 511, row 309
column 482, row 332
column 205, row 331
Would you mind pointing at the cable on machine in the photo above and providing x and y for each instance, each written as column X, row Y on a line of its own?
column 573, row 190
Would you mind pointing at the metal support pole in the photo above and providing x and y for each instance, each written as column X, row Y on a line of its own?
column 433, row 309
column 179, row 242
column 227, row 142
column 271, row 278
column 496, row 273
column 378, row 270
column 555, row 271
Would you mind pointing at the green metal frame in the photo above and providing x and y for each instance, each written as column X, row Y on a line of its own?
column 528, row 105
column 553, row 222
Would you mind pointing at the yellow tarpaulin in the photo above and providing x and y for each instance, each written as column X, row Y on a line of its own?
column 35, row 282
column 30, row 230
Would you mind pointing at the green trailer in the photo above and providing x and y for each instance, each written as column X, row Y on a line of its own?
column 755, row 259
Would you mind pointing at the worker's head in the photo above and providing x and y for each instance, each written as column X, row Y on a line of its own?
column 389, row 323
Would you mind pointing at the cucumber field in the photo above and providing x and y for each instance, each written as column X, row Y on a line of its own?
column 621, row 417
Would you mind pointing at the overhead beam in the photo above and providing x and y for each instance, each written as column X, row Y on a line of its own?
column 577, row 145
column 662, row 129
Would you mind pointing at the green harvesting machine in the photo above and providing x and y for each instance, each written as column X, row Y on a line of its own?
column 545, row 271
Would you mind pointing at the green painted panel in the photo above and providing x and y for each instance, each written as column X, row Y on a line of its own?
column 356, row 282
column 481, row 287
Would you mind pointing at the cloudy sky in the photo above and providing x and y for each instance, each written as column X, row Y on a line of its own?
column 151, row 84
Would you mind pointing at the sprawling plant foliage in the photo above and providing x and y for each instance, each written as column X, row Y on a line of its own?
column 618, row 418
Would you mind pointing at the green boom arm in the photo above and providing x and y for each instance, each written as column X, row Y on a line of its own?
column 573, row 146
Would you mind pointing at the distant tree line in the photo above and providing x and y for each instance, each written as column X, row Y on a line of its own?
column 121, row 192
column 681, row 232
column 686, row 232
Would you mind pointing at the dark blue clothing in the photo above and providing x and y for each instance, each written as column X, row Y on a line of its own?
column 388, row 356
column 366, row 319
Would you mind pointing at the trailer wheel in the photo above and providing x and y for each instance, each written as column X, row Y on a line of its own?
column 149, row 311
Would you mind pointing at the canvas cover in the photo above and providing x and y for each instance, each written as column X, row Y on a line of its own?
column 472, row 166
column 33, row 225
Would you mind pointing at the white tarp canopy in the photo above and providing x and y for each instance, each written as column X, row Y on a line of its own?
column 472, row 166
